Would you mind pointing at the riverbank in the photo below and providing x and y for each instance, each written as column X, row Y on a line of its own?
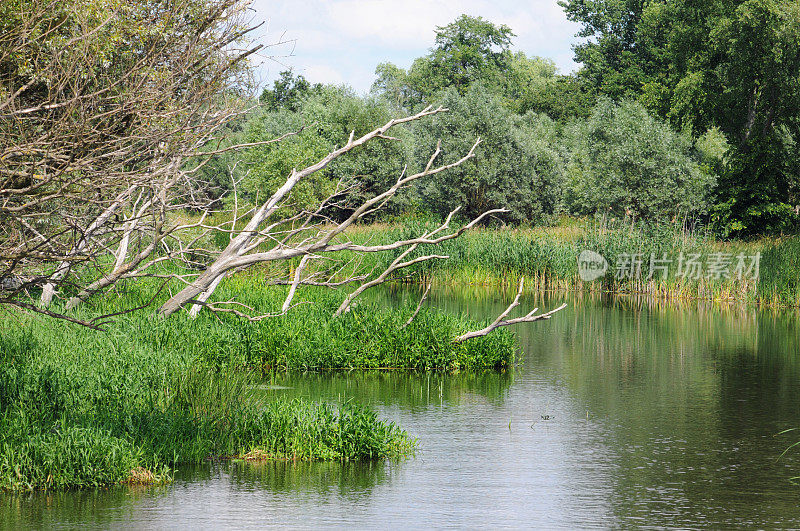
column 81, row 408
column 659, row 261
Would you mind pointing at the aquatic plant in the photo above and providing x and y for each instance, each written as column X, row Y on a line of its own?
column 83, row 419
column 82, row 408
column 547, row 258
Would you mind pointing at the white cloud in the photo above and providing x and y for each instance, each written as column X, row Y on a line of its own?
column 408, row 24
column 346, row 39
column 321, row 73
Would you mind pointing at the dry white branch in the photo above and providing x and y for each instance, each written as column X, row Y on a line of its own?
column 293, row 288
column 396, row 264
column 419, row 306
column 500, row 321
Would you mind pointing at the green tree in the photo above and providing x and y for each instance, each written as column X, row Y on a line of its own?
column 392, row 83
column 758, row 106
column 611, row 59
column 473, row 50
column 288, row 91
column 325, row 119
column 466, row 50
column 517, row 166
column 532, row 84
column 733, row 65
column 626, row 163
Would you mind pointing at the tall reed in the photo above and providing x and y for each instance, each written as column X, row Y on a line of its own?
column 548, row 257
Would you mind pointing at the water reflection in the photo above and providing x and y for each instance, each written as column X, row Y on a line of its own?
column 323, row 479
column 622, row 412
column 412, row 392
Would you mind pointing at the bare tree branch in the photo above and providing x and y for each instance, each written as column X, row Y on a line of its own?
column 419, row 306
column 501, row 319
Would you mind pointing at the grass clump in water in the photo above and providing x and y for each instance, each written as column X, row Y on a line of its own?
column 80, row 408
column 75, row 435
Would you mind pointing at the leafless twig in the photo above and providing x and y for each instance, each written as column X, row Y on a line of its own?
column 501, row 319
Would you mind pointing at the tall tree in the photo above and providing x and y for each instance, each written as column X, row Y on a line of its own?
column 288, row 91
column 533, row 84
column 730, row 64
column 611, row 59
column 473, row 50
column 516, row 167
column 466, row 50
column 624, row 162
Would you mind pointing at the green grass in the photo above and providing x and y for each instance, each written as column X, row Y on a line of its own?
column 368, row 336
column 81, row 408
column 547, row 258
column 77, row 418
column 780, row 278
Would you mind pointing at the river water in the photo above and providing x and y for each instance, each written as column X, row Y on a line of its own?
column 621, row 413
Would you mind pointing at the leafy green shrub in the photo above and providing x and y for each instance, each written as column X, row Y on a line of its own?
column 517, row 166
column 326, row 116
column 625, row 163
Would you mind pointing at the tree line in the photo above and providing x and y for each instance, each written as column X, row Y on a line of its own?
column 132, row 143
column 676, row 114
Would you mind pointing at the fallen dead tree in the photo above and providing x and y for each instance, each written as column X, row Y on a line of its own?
column 310, row 235
column 101, row 152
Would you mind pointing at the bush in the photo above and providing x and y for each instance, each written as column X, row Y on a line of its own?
column 329, row 114
column 625, row 163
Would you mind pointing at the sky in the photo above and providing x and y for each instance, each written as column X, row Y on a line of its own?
column 342, row 41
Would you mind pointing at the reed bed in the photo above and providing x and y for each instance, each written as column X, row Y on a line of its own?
column 547, row 258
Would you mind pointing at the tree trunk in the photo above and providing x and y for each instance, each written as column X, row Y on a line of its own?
column 204, row 296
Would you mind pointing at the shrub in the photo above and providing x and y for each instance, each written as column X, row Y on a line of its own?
column 625, row 163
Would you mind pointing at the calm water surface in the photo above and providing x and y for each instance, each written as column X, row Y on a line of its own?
column 621, row 413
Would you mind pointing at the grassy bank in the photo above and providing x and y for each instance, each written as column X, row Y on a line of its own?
column 547, row 257
column 80, row 408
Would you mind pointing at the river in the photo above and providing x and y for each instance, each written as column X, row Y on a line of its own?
column 621, row 413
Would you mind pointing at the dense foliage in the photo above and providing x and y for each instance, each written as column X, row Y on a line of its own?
column 623, row 162
column 325, row 117
column 647, row 128
column 705, row 128
column 518, row 166
column 732, row 65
